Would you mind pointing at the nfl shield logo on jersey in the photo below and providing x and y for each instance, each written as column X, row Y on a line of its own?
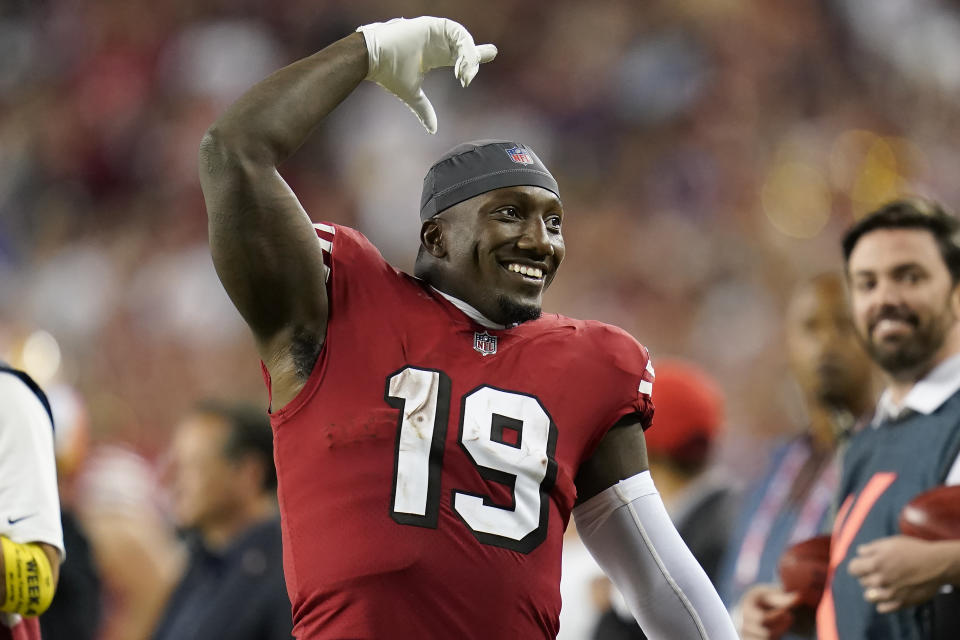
column 519, row 155
column 484, row 343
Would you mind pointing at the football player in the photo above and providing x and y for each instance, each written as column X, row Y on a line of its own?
column 434, row 432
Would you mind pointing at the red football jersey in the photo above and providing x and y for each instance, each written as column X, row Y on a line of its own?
column 426, row 470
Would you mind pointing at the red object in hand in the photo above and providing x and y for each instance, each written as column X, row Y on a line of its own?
column 933, row 514
column 803, row 569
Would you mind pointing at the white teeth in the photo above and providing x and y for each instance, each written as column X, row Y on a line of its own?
column 530, row 272
column 888, row 324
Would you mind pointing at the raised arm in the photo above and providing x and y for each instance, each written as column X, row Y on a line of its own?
column 263, row 243
column 264, row 247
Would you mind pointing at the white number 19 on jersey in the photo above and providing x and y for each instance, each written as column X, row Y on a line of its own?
column 524, row 462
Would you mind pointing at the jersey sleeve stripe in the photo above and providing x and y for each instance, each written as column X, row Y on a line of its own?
column 646, row 388
column 325, row 236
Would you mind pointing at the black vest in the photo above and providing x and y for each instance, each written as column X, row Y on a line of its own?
column 899, row 459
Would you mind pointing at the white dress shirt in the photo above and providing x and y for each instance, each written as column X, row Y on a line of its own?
column 926, row 396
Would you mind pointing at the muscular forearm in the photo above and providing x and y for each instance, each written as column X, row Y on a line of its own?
column 263, row 244
column 273, row 118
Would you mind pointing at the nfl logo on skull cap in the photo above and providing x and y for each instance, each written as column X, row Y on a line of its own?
column 484, row 343
column 519, row 155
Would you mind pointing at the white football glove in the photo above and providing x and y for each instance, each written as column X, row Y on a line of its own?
column 401, row 51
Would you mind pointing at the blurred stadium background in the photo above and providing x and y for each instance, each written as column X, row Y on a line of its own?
column 710, row 152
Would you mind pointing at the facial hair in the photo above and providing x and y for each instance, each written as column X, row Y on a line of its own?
column 911, row 353
column 512, row 312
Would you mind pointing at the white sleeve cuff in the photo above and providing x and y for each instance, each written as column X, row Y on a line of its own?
column 591, row 515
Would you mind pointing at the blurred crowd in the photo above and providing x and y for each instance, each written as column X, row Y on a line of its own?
column 709, row 153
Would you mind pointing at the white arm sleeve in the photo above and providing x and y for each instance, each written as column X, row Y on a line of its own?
column 629, row 533
column 29, row 501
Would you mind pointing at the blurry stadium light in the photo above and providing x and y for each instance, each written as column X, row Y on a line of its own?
column 873, row 169
column 796, row 200
column 847, row 155
column 879, row 179
column 912, row 161
column 41, row 356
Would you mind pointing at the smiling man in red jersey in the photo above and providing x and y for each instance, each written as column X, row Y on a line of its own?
column 434, row 433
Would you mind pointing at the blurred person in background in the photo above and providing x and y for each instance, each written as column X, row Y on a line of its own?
column 700, row 499
column 367, row 366
column 903, row 265
column 75, row 613
column 31, row 538
column 793, row 500
column 223, row 486
column 118, row 500
column 124, row 554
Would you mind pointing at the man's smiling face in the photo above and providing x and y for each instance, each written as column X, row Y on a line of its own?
column 902, row 295
column 503, row 249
